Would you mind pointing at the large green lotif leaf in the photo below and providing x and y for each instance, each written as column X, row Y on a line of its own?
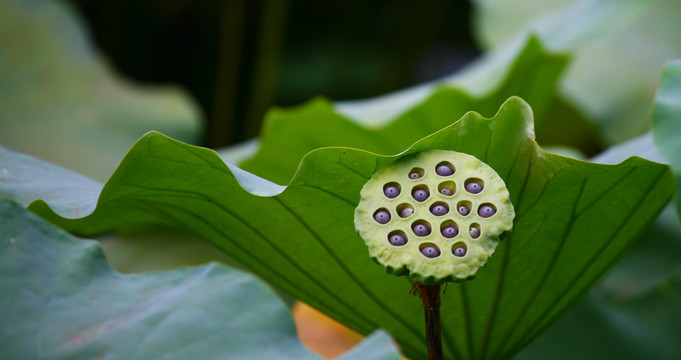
column 654, row 258
column 632, row 313
column 667, row 121
column 603, row 324
column 61, row 300
column 574, row 220
column 618, row 48
column 58, row 96
column 533, row 73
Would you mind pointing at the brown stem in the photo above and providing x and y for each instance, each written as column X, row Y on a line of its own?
column 430, row 296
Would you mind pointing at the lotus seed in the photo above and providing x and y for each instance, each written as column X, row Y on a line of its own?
column 414, row 175
column 391, row 191
column 445, row 191
column 421, row 230
column 430, row 251
column 444, row 170
column 473, row 187
column 449, row 232
column 406, row 212
column 486, row 211
column 397, row 240
column 463, row 210
column 382, row 217
column 474, row 232
column 420, row 195
column 460, row 251
column 439, row 210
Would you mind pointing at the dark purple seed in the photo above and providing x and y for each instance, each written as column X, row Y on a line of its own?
column 444, row 170
column 463, row 210
column 382, row 217
column 460, row 251
column 430, row 251
column 473, row 187
column 439, row 210
column 449, row 232
column 421, row 230
column 414, row 175
column 486, row 211
column 391, row 191
column 406, row 212
column 397, row 240
column 420, row 195
column 445, row 191
column 474, row 232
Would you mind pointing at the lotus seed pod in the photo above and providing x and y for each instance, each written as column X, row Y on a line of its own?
column 422, row 240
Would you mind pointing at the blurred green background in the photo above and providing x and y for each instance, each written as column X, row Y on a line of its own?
column 237, row 58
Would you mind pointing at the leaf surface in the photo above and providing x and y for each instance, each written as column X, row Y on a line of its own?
column 574, row 220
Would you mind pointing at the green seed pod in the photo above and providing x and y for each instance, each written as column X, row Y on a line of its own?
column 435, row 216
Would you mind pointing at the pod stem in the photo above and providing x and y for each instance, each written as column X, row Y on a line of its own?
column 430, row 297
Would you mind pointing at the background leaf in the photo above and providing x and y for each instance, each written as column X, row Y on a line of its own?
column 618, row 48
column 58, row 96
column 63, row 301
column 667, row 121
column 533, row 73
column 644, row 326
column 305, row 242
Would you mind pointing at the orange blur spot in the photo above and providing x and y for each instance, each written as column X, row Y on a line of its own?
column 321, row 334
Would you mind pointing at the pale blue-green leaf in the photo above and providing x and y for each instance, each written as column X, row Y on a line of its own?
column 377, row 346
column 61, row 300
column 25, row 179
column 641, row 146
